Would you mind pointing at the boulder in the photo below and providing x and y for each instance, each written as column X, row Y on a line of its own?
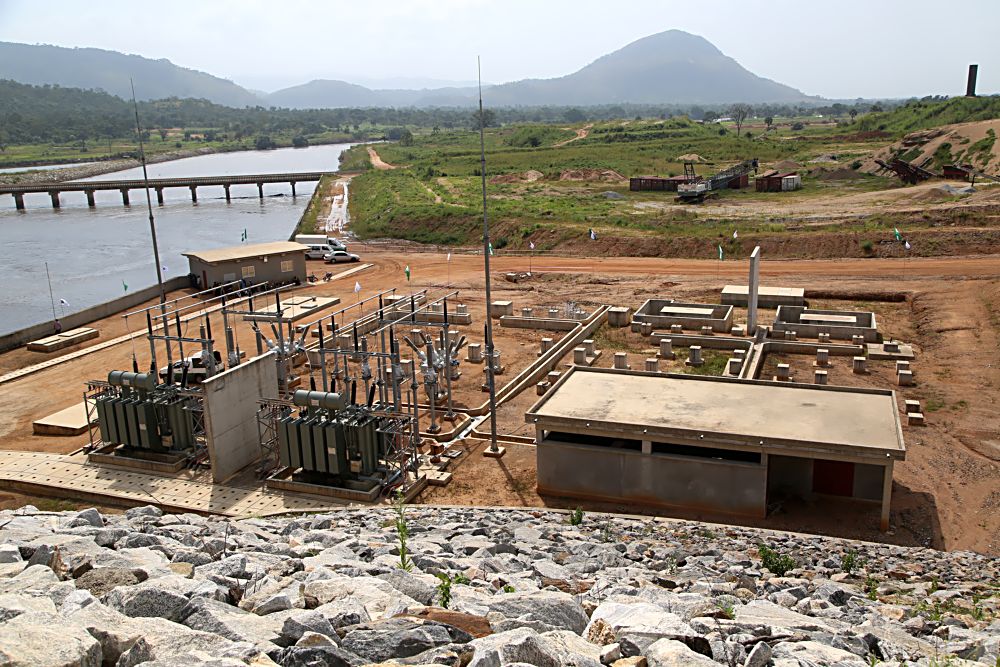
column 672, row 653
column 103, row 579
column 88, row 517
column 521, row 645
column 399, row 638
column 318, row 656
column 295, row 626
column 41, row 639
column 543, row 611
column 146, row 599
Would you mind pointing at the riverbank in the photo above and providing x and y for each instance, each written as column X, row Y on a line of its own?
column 98, row 168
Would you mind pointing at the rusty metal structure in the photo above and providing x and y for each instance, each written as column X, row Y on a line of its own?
column 906, row 171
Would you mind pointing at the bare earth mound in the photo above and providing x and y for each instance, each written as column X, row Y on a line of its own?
column 529, row 176
column 962, row 143
column 690, row 157
column 608, row 175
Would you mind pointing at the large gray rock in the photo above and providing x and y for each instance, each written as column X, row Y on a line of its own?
column 318, row 656
column 103, row 579
column 672, row 653
column 39, row 639
column 379, row 597
column 10, row 554
column 146, row 599
column 225, row 620
column 572, row 649
column 399, row 638
column 780, row 619
column 542, row 611
column 521, row 645
column 115, row 631
column 638, row 625
column 12, row 605
column 307, row 621
column 88, row 517
column 815, row 653
column 163, row 640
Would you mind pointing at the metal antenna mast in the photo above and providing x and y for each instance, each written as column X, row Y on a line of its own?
column 487, row 249
column 149, row 202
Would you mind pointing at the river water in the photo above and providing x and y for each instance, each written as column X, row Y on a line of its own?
column 93, row 253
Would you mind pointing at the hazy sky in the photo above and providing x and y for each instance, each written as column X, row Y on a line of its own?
column 841, row 49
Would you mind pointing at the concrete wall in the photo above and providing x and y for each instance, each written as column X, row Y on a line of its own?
column 721, row 319
column 264, row 272
column 795, row 474
column 231, row 413
column 787, row 319
column 92, row 314
column 615, row 475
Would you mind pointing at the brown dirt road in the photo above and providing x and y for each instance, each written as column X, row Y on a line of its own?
column 580, row 134
column 378, row 162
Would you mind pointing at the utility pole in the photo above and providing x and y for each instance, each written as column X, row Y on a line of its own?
column 494, row 451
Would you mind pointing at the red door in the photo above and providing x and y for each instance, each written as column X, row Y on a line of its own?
column 835, row 478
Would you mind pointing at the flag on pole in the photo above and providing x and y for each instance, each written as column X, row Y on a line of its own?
column 406, row 271
column 593, row 234
column 244, row 238
column 736, row 234
column 720, row 251
column 491, row 248
column 899, row 237
column 125, row 285
column 531, row 244
column 64, row 303
column 357, row 287
column 906, row 245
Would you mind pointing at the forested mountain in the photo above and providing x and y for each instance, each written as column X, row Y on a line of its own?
column 97, row 69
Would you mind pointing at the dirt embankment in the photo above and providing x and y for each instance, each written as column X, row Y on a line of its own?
column 96, row 168
column 377, row 161
column 963, row 143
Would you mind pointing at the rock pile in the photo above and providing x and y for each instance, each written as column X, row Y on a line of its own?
column 481, row 588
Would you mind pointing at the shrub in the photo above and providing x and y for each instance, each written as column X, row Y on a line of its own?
column 851, row 562
column 856, row 165
column 798, row 126
column 576, row 517
column 444, row 590
column 776, row 562
column 298, row 141
column 867, row 247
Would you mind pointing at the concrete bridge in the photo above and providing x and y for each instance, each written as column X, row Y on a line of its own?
column 158, row 184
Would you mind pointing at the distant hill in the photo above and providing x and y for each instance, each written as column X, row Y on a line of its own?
column 670, row 67
column 109, row 71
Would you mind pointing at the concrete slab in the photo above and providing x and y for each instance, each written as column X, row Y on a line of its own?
column 859, row 422
column 767, row 297
column 63, row 340
column 297, row 307
column 877, row 352
column 68, row 421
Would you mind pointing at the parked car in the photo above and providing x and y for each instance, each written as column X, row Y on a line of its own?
column 340, row 257
column 317, row 251
column 196, row 370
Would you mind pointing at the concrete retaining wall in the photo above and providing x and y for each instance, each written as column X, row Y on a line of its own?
column 721, row 319
column 614, row 475
column 538, row 323
column 231, row 413
column 787, row 319
column 88, row 315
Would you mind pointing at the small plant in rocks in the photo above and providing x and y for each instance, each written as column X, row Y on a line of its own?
column 871, row 587
column 507, row 588
column 576, row 517
column 776, row 562
column 444, row 589
column 851, row 562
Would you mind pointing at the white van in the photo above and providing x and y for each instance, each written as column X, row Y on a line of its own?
column 318, row 251
column 322, row 240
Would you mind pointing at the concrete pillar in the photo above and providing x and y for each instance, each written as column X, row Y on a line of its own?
column 823, row 338
column 904, row 378
column 541, row 388
column 820, row 377
column 902, row 365
column 783, row 373
column 618, row 316
column 706, row 331
column 554, row 313
column 194, row 194
column 90, row 198
column 857, row 339
column 345, row 342
column 666, row 348
column 646, row 328
column 740, row 354
column 860, row 365
column 475, row 353
column 822, row 357
column 552, row 376
column 527, row 312
column 676, row 329
column 912, row 406
column 753, row 288
column 652, row 365
column 621, row 361
column 694, row 356
column 260, row 190
column 914, row 419
column 501, row 308
column 19, row 201
column 886, row 495
column 580, row 356
column 461, row 309
column 791, row 335
column 159, row 196
column 228, row 197
column 546, row 345
column 293, row 188
column 891, row 346
column 54, row 195
column 738, row 330
column 589, row 345
column 734, row 366
column 125, row 200
column 407, row 368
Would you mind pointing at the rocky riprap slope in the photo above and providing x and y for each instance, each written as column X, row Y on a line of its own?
column 527, row 588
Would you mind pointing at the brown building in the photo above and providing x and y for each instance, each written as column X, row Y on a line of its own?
column 275, row 263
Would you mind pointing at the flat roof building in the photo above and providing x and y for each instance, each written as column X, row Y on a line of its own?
column 713, row 444
column 277, row 263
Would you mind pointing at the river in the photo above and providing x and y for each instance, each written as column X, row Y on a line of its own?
column 93, row 253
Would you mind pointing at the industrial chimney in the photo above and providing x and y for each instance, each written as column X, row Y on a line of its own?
column 970, row 87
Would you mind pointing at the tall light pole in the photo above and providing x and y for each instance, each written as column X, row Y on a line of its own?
column 494, row 451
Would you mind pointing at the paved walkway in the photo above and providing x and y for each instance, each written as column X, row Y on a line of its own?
column 73, row 475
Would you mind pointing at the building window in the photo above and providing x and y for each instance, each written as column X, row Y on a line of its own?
column 287, row 266
column 249, row 271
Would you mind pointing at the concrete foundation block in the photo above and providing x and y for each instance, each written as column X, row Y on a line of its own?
column 821, row 377
column 554, row 313
column 740, row 354
column 619, row 316
column 791, row 335
column 461, row 309
column 589, row 345
column 857, row 339
column 912, row 406
column 694, row 356
column 580, row 356
column 822, row 357
column 676, row 329
column 738, row 330
column 905, row 378
column 621, row 361
column 666, row 348
column 860, row 365
column 527, row 312
column 902, row 366
column 652, row 365
column 552, row 376
column 784, row 373
column 706, row 331
column 500, row 308
column 646, row 328
column 546, row 345
column 891, row 346
column 541, row 388
column 474, row 354
column 824, row 338
column 915, row 418
column 734, row 366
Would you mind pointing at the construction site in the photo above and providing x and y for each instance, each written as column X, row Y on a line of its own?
column 808, row 395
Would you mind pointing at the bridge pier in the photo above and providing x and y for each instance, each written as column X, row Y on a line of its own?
column 19, row 201
column 90, row 199
column 293, row 188
column 194, row 194
column 159, row 196
column 260, row 190
column 125, row 200
column 54, row 194
column 227, row 193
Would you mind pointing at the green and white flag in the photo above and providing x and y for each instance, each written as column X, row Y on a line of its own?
column 125, row 285
column 407, row 271
column 491, row 248
column 899, row 237
column 720, row 251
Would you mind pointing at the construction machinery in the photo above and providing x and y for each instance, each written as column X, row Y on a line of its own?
column 695, row 191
